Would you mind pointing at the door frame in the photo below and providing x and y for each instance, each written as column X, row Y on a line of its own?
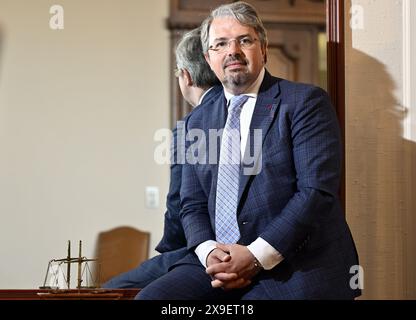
column 335, row 16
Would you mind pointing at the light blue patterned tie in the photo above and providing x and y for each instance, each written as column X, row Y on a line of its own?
column 226, row 226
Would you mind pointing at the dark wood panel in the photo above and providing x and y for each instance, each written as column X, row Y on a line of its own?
column 291, row 11
column 299, row 43
column 185, row 14
column 73, row 294
column 198, row 5
column 336, row 70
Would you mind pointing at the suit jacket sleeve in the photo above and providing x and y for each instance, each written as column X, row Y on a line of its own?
column 173, row 235
column 194, row 203
column 316, row 147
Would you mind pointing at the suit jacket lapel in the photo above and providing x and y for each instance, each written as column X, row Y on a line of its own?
column 268, row 101
column 215, row 116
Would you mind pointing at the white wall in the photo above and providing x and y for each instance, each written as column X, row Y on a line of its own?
column 380, row 159
column 78, row 110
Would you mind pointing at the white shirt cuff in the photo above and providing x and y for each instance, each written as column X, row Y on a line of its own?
column 204, row 249
column 268, row 256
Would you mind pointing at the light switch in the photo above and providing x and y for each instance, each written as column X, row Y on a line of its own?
column 152, row 197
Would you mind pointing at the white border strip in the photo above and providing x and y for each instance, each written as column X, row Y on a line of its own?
column 409, row 69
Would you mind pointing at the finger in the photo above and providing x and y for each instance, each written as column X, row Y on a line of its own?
column 223, row 247
column 216, row 268
column 217, row 256
column 233, row 284
column 217, row 283
column 213, row 260
column 223, row 276
column 221, row 255
column 227, row 285
column 237, row 284
column 226, row 258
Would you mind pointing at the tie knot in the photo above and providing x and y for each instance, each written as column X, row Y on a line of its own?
column 237, row 101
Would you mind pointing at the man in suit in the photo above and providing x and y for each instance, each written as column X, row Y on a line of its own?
column 273, row 227
column 198, row 84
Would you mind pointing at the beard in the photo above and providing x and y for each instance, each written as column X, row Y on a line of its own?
column 236, row 78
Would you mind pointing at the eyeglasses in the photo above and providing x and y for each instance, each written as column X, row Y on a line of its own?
column 245, row 42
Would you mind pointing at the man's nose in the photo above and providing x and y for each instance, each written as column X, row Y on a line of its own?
column 234, row 47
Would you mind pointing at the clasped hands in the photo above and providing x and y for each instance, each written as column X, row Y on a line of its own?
column 231, row 266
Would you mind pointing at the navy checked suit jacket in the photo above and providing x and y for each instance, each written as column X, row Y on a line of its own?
column 173, row 234
column 292, row 202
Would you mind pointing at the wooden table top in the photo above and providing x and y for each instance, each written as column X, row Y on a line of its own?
column 71, row 294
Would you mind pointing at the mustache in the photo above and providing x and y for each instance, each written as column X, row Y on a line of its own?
column 233, row 59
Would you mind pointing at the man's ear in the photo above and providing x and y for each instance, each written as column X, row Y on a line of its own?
column 188, row 79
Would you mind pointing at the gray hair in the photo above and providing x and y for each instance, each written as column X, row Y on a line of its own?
column 241, row 11
column 189, row 56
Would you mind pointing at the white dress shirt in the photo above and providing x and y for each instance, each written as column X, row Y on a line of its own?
column 267, row 255
column 203, row 95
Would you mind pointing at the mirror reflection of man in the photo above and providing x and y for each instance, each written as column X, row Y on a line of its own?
column 198, row 84
column 280, row 234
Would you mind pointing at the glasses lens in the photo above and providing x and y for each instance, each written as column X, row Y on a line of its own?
column 221, row 46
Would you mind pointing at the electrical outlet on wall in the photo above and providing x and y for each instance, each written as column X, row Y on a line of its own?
column 152, row 197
